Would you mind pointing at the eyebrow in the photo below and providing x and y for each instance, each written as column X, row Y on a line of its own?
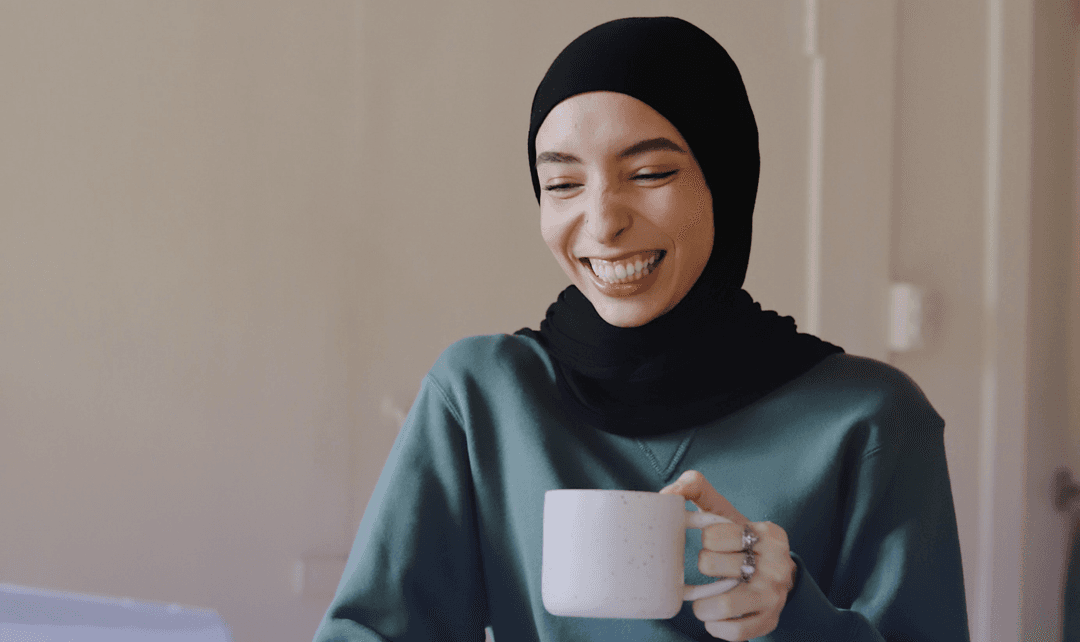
column 650, row 145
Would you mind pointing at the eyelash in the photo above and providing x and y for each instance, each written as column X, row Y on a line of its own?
column 560, row 187
column 651, row 177
column 657, row 176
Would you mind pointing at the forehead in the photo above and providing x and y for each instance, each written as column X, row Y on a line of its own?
column 602, row 121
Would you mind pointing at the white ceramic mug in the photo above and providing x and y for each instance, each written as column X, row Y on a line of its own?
column 619, row 554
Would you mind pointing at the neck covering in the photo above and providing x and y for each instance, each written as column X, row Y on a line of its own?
column 716, row 351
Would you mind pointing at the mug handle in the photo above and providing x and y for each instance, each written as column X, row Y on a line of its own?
column 701, row 519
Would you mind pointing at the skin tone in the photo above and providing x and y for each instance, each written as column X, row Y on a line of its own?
column 618, row 181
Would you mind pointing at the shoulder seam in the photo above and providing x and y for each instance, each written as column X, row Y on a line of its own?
column 870, row 453
column 446, row 399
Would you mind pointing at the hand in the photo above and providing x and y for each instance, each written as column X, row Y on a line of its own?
column 751, row 609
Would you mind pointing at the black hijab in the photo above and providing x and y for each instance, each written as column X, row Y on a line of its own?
column 716, row 351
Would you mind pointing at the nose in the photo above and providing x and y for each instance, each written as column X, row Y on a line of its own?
column 606, row 215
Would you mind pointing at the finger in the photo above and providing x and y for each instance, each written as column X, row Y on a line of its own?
column 736, row 602
column 775, row 573
column 716, row 564
column 773, row 555
column 693, row 486
column 738, row 615
column 745, row 628
column 727, row 538
column 723, row 538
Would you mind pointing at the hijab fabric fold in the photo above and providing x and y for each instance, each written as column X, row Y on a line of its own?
column 716, row 351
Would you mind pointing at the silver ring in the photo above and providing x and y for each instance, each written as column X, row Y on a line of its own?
column 749, row 565
column 749, row 538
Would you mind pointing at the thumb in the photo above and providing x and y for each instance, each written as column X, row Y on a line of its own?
column 693, row 486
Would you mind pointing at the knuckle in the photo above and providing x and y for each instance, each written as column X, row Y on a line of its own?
column 777, row 578
column 773, row 549
column 776, row 574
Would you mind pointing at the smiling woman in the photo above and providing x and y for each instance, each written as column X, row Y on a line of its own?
column 625, row 208
column 828, row 470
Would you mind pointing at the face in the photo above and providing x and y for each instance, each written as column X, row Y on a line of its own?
column 624, row 206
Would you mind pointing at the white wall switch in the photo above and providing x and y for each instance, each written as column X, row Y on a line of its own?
column 905, row 317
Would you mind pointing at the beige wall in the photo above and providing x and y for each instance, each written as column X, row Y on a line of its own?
column 937, row 209
column 179, row 258
column 234, row 235
column 1074, row 284
column 985, row 218
column 1053, row 307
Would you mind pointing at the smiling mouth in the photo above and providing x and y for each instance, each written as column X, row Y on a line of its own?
column 626, row 271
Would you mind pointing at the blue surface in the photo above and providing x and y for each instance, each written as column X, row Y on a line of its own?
column 42, row 616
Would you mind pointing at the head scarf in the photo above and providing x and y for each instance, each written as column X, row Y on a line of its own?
column 716, row 351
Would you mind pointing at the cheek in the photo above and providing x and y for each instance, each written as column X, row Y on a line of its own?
column 694, row 231
column 555, row 235
column 548, row 228
column 694, row 221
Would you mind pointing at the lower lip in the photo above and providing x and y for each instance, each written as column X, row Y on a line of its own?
column 624, row 289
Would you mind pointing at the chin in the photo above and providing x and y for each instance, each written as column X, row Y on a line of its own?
column 624, row 316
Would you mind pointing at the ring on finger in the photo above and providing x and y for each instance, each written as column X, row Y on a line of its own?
column 749, row 538
column 749, row 565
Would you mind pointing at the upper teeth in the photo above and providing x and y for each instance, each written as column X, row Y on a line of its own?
column 614, row 271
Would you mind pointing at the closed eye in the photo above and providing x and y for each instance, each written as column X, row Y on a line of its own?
column 647, row 178
column 655, row 177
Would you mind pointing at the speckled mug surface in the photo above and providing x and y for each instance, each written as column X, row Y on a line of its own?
column 619, row 554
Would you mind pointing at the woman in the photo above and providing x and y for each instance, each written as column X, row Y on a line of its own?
column 644, row 158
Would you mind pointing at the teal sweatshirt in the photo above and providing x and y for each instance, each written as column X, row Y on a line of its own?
column 848, row 458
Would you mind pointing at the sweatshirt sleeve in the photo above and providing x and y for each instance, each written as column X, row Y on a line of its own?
column 415, row 572
column 898, row 575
